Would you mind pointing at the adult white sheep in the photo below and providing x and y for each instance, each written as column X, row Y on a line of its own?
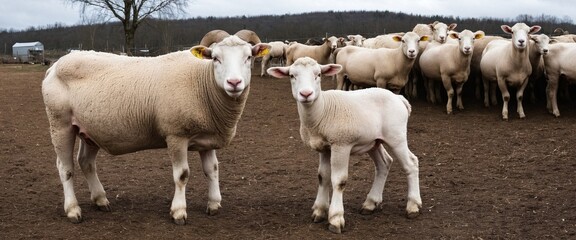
column 539, row 46
column 507, row 63
column 321, row 53
column 475, row 73
column 126, row 104
column 450, row 64
column 559, row 63
column 277, row 51
column 355, row 40
column 438, row 31
column 383, row 67
column 338, row 124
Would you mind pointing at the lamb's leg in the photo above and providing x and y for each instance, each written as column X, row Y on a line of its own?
column 382, row 163
column 210, row 166
column 86, row 160
column 63, row 139
column 178, row 151
column 339, row 175
column 409, row 163
column 322, row 202
column 505, row 97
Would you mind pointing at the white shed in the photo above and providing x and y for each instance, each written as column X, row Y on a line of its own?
column 28, row 51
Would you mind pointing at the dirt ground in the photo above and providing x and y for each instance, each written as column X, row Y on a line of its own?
column 480, row 177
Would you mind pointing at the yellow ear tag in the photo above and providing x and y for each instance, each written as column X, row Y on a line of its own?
column 197, row 52
column 263, row 52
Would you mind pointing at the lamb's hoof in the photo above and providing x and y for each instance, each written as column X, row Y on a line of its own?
column 412, row 215
column 212, row 212
column 104, row 208
column 335, row 229
column 318, row 218
column 74, row 214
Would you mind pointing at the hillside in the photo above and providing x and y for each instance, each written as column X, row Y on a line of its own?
column 162, row 36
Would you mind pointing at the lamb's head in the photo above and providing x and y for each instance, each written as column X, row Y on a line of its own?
column 520, row 32
column 541, row 42
column 409, row 43
column 305, row 76
column 466, row 40
column 440, row 30
column 356, row 40
column 231, row 59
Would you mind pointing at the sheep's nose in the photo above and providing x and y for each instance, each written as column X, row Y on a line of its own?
column 521, row 41
column 234, row 82
column 545, row 50
column 467, row 49
column 305, row 93
column 411, row 51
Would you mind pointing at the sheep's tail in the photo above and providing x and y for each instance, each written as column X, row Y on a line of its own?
column 406, row 104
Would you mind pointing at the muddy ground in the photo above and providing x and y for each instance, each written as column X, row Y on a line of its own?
column 480, row 177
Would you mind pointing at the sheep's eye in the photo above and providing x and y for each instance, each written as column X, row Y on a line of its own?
column 249, row 58
column 292, row 76
column 215, row 59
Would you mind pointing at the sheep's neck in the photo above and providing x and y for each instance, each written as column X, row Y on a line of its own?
column 311, row 114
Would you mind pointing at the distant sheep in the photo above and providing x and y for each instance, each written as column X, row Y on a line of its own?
column 507, row 63
column 559, row 63
column 338, row 124
column 126, row 104
column 383, row 67
column 277, row 51
column 321, row 53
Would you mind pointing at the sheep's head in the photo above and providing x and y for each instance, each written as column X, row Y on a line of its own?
column 541, row 42
column 332, row 41
column 305, row 76
column 232, row 60
column 466, row 40
column 520, row 32
column 409, row 43
column 440, row 30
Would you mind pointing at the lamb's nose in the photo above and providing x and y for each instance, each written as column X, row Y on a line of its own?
column 305, row 93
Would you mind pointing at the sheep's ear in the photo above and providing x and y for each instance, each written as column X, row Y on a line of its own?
column 330, row 69
column 201, row 52
column 453, row 35
column 278, row 72
column 350, row 37
column 424, row 38
column 260, row 49
column 452, row 26
column 534, row 29
column 506, row 29
column 397, row 38
column 478, row 34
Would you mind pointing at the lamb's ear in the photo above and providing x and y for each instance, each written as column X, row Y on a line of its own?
column 397, row 38
column 260, row 49
column 506, row 29
column 278, row 72
column 534, row 29
column 330, row 69
column 201, row 52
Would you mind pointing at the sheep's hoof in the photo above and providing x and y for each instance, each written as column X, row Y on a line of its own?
column 212, row 212
column 412, row 215
column 335, row 229
column 213, row 208
column 317, row 218
column 74, row 214
column 181, row 221
column 104, row 208
column 365, row 211
column 75, row 219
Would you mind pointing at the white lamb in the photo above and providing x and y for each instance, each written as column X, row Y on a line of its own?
column 321, row 53
column 450, row 64
column 559, row 63
column 355, row 40
column 383, row 67
column 126, row 104
column 277, row 51
column 340, row 123
column 507, row 64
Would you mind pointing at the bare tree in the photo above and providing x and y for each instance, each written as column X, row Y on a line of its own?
column 132, row 12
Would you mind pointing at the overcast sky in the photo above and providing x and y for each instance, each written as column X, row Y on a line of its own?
column 21, row 14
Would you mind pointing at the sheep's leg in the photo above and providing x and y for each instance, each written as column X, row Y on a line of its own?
column 340, row 81
column 210, row 167
column 322, row 202
column 447, row 82
column 505, row 97
column 177, row 148
column 63, row 139
column 263, row 64
column 459, row 103
column 486, row 92
column 520, row 97
column 438, row 93
column 478, row 86
column 86, row 160
column 551, row 94
column 430, row 90
column 409, row 163
column 339, row 176
column 382, row 163
column 493, row 98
